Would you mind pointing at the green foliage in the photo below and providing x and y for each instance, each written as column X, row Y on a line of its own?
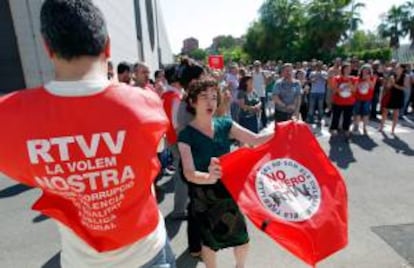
column 198, row 54
column 392, row 25
column 234, row 54
column 292, row 30
column 384, row 54
column 225, row 42
column 362, row 40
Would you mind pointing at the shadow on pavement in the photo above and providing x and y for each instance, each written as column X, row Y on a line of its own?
column 14, row 190
column 400, row 238
column 398, row 144
column 364, row 141
column 54, row 262
column 185, row 260
column 40, row 218
column 340, row 152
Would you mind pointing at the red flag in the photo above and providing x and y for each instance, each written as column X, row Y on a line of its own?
column 216, row 61
column 290, row 190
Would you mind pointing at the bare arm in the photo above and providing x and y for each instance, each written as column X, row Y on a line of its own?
column 246, row 136
column 193, row 175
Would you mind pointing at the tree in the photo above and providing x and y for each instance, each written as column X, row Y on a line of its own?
column 295, row 30
column 408, row 21
column 254, row 41
column 355, row 15
column 198, row 54
column 364, row 40
column 328, row 21
column 276, row 34
column 392, row 25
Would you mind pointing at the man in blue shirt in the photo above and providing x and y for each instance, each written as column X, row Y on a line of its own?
column 286, row 95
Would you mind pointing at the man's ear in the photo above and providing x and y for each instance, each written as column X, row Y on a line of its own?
column 49, row 52
column 107, row 49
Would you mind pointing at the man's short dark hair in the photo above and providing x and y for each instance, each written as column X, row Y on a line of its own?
column 187, row 74
column 157, row 73
column 172, row 73
column 73, row 28
column 123, row 67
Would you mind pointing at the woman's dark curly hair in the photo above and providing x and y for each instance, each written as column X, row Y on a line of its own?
column 198, row 86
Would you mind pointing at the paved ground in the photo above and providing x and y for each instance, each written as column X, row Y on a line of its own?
column 378, row 170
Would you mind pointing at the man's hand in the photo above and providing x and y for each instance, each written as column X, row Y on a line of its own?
column 291, row 108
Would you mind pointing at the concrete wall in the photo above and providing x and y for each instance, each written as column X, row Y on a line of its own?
column 35, row 64
column 122, row 27
column 120, row 20
column 11, row 72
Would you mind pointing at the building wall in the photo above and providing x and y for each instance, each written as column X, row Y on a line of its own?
column 120, row 20
column 11, row 72
column 122, row 24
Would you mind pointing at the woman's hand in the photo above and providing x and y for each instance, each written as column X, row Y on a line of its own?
column 214, row 170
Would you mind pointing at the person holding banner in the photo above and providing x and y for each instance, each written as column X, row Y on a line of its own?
column 364, row 94
column 343, row 100
column 205, row 138
column 90, row 146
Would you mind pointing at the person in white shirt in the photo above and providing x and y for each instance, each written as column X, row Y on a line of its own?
column 232, row 80
column 259, row 84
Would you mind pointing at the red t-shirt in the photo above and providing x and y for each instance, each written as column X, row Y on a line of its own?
column 94, row 157
column 168, row 99
column 345, row 96
column 365, row 92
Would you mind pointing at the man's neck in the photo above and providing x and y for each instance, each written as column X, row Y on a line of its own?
column 83, row 68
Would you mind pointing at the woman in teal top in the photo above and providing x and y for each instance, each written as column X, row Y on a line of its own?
column 200, row 143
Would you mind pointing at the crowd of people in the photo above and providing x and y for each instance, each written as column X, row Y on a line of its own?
column 202, row 112
column 343, row 96
column 348, row 91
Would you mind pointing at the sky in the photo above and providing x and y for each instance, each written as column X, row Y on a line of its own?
column 205, row 19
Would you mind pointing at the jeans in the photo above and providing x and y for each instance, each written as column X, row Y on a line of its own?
column 250, row 122
column 316, row 99
column 234, row 111
column 407, row 94
column 362, row 108
column 164, row 259
column 180, row 187
column 263, row 118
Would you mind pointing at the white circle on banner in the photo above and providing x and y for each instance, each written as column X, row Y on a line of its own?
column 345, row 90
column 288, row 189
column 363, row 88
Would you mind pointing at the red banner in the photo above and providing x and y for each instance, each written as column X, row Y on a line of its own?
column 290, row 190
column 216, row 61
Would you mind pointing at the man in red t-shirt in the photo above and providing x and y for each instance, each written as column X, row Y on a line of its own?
column 171, row 101
column 90, row 146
